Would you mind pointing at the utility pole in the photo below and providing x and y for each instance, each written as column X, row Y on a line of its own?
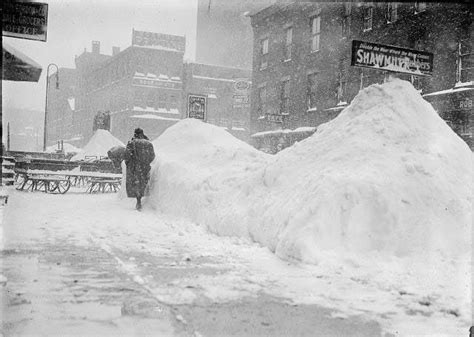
column 8, row 136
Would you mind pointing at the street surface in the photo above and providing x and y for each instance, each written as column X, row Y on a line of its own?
column 90, row 265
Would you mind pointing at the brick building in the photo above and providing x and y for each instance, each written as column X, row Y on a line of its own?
column 140, row 86
column 146, row 85
column 302, row 74
column 226, row 106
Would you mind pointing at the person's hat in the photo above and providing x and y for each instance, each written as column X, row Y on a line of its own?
column 138, row 131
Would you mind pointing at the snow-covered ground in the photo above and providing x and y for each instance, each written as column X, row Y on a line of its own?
column 371, row 216
column 382, row 194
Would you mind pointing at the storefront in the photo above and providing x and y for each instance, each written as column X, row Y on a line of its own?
column 456, row 108
column 17, row 66
column 276, row 140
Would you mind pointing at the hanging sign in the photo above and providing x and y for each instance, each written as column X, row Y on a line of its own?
column 197, row 106
column 391, row 58
column 25, row 20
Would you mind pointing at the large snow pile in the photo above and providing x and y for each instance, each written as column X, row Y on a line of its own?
column 386, row 175
column 383, row 191
column 199, row 169
column 98, row 145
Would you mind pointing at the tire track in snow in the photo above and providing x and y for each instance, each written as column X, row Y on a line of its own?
column 129, row 270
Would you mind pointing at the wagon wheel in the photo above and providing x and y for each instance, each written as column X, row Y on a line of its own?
column 62, row 186
column 73, row 181
column 20, row 181
column 39, row 184
column 29, row 185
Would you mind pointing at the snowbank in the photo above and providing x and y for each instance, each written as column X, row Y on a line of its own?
column 98, row 145
column 387, row 175
column 199, row 170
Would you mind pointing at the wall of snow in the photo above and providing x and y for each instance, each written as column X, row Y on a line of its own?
column 387, row 175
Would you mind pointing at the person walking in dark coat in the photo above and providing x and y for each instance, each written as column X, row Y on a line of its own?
column 139, row 155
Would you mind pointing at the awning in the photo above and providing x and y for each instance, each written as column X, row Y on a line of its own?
column 17, row 66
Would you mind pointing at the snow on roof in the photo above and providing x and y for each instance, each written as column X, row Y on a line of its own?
column 158, row 48
column 213, row 78
column 447, row 91
column 305, row 129
column 172, row 111
column 101, row 142
column 149, row 116
column 464, row 84
column 284, row 131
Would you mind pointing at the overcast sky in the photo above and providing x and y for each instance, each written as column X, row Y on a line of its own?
column 73, row 24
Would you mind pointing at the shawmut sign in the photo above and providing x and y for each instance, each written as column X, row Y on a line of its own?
column 391, row 58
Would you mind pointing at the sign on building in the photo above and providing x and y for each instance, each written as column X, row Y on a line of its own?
column 156, row 83
column 242, row 86
column 197, row 107
column 150, row 39
column 241, row 94
column 391, row 58
column 274, row 118
column 25, row 20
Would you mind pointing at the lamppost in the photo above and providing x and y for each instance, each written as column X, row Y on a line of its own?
column 46, row 103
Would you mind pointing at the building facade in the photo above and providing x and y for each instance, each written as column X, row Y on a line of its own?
column 140, row 87
column 302, row 74
column 146, row 85
column 228, row 104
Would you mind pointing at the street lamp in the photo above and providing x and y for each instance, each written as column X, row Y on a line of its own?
column 46, row 103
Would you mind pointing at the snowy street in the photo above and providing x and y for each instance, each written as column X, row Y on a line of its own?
column 78, row 262
column 235, row 242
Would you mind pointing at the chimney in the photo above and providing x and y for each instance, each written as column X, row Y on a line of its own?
column 96, row 47
column 115, row 50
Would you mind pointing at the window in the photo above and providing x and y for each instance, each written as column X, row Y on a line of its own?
column 162, row 99
column 368, row 13
column 288, row 42
column 312, row 87
column 150, row 99
column 347, row 8
column 392, row 14
column 173, row 102
column 420, row 7
column 465, row 61
column 416, row 81
column 264, row 53
column 285, row 97
column 346, row 26
column 315, row 33
column 341, row 90
column 139, row 98
column 261, row 100
column 346, row 19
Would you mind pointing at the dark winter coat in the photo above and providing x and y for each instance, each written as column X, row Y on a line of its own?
column 139, row 155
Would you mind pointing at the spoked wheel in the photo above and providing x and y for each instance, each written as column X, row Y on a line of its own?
column 29, row 185
column 20, row 181
column 60, row 186
column 63, row 186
